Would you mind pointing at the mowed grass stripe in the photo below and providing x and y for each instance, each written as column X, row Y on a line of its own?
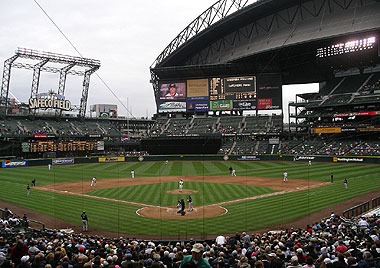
column 246, row 215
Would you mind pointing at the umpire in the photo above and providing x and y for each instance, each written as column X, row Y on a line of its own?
column 84, row 221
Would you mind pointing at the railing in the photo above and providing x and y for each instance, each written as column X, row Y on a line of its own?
column 376, row 202
column 356, row 210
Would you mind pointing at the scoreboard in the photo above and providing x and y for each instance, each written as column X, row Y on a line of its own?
column 59, row 146
column 249, row 92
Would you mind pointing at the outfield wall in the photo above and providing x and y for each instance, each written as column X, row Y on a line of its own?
column 108, row 159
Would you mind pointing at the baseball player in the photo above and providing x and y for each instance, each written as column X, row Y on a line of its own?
column 132, row 174
column 189, row 201
column 166, row 162
column 230, row 169
column 93, row 182
column 49, row 166
column 345, row 184
column 84, row 221
column 332, row 177
column 179, row 206
column 180, row 185
column 285, row 176
column 27, row 190
column 34, row 182
column 233, row 173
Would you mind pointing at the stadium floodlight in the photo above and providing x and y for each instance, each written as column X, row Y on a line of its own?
column 43, row 59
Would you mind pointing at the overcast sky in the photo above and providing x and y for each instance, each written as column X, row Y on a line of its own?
column 126, row 36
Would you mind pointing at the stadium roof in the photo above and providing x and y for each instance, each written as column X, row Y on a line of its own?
column 264, row 26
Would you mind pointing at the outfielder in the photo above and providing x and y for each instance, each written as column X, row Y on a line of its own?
column 345, row 184
column 132, row 174
column 180, row 185
column 285, row 176
column 49, row 166
column 93, row 182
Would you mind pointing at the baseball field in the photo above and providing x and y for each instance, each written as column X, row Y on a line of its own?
column 146, row 205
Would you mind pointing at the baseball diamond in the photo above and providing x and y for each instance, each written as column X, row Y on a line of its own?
column 258, row 198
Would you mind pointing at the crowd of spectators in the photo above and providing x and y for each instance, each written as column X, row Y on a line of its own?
column 330, row 243
column 324, row 147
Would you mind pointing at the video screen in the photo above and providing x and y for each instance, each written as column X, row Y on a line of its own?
column 269, row 92
column 172, row 91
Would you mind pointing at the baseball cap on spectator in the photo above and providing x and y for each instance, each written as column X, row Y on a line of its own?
column 327, row 261
column 184, row 251
column 198, row 247
column 25, row 258
column 272, row 254
column 294, row 259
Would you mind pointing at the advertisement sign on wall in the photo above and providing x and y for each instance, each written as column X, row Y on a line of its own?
column 197, row 89
column 172, row 106
column 244, row 105
column 9, row 163
column 62, row 161
column 221, row 105
column 198, row 105
column 112, row 159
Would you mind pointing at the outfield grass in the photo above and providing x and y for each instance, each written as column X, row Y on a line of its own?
column 245, row 215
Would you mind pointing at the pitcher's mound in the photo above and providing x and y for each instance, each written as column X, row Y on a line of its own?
column 184, row 191
column 171, row 212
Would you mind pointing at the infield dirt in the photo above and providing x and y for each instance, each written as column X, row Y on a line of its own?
column 82, row 187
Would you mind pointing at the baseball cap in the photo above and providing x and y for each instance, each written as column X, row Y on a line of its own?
column 25, row 258
column 198, row 247
column 172, row 85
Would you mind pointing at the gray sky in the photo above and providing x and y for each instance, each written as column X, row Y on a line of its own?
column 126, row 36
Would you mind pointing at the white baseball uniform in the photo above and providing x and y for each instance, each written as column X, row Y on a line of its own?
column 285, row 176
column 180, row 185
column 93, row 182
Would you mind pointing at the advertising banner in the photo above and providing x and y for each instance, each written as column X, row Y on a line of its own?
column 348, row 159
column 249, row 157
column 9, row 163
column 221, row 105
column 62, row 161
column 326, row 130
column 198, row 105
column 357, row 114
column 172, row 106
column 112, row 159
column 244, row 105
column 172, row 91
column 197, row 89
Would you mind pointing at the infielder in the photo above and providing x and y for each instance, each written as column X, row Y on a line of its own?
column 27, row 190
column 84, row 221
column 233, row 173
column 180, row 185
column 93, row 182
column 132, row 174
column 285, row 176
column 190, row 200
